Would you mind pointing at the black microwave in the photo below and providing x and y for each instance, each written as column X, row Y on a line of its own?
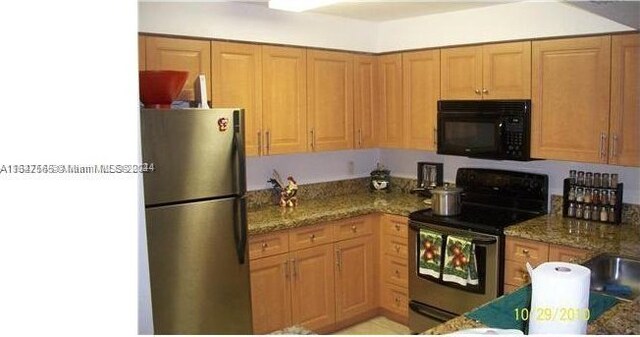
column 488, row 129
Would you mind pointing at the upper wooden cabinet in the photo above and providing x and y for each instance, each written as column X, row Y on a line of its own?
column 570, row 99
column 330, row 100
column 237, row 83
column 492, row 71
column 284, row 92
column 364, row 100
column 193, row 56
column 624, row 127
column 142, row 53
column 421, row 90
column 390, row 119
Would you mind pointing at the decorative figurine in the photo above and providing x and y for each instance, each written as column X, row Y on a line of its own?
column 380, row 179
column 286, row 194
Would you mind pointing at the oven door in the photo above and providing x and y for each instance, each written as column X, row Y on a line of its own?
column 470, row 134
column 434, row 301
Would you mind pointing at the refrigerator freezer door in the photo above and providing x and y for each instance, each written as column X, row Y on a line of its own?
column 197, row 284
column 197, row 154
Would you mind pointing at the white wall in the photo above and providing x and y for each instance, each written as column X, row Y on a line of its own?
column 402, row 163
column 521, row 20
column 247, row 22
column 310, row 168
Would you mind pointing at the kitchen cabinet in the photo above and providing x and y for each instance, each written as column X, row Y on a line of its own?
column 365, row 100
column 142, row 53
column 570, row 98
column 194, row 56
column 355, row 278
column 237, row 82
column 393, row 267
column 270, row 293
column 520, row 251
column 284, row 94
column 421, row 91
column 490, row 71
column 390, row 116
column 268, row 244
column 330, row 100
column 624, row 127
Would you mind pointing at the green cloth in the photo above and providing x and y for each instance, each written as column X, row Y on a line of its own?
column 458, row 251
column 429, row 253
column 501, row 313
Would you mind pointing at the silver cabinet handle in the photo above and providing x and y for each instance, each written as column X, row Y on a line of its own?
column 339, row 259
column 268, row 135
column 259, row 143
column 312, row 140
column 485, row 91
column 603, row 141
column 286, row 269
column 477, row 91
column 435, row 136
column 614, row 150
column 295, row 270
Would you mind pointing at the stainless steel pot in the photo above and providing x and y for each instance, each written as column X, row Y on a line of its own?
column 445, row 200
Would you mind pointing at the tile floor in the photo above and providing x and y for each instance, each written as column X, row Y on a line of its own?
column 376, row 326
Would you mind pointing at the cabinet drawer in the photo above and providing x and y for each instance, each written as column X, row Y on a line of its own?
column 352, row 227
column 310, row 236
column 567, row 254
column 515, row 273
column 526, row 250
column 395, row 225
column 268, row 244
column 395, row 246
column 395, row 271
column 395, row 299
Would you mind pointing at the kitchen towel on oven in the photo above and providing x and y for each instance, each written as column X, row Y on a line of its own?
column 460, row 261
column 430, row 253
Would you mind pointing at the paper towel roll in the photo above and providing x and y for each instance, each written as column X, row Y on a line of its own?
column 559, row 298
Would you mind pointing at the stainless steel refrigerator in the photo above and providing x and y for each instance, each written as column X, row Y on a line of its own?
column 196, row 220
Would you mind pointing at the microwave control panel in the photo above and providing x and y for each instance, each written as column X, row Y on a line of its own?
column 514, row 136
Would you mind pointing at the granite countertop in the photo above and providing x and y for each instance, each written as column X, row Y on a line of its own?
column 624, row 239
column 271, row 218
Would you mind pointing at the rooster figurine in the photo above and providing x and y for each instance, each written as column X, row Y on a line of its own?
column 288, row 194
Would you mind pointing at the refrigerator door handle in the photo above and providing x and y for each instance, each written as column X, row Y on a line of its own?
column 238, row 141
column 240, row 228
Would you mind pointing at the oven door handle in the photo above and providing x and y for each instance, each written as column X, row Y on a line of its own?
column 434, row 313
column 482, row 241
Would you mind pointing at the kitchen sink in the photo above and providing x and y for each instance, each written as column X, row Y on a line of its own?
column 615, row 275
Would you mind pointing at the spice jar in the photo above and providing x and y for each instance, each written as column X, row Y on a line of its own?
column 614, row 180
column 572, row 176
column 604, row 214
column 595, row 212
column 612, row 198
column 595, row 198
column 580, row 180
column 586, row 213
column 571, row 211
column 572, row 193
column 587, row 195
column 604, row 197
column 579, row 194
column 611, row 215
column 588, row 180
column 579, row 211
column 597, row 180
column 605, row 180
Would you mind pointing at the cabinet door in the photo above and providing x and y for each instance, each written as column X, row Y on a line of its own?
column 364, row 100
column 421, row 90
column 461, row 73
column 506, row 70
column 567, row 254
column 270, row 293
column 570, row 99
column 330, row 100
column 313, row 296
column 624, row 130
column 391, row 123
column 193, row 56
column 142, row 55
column 284, row 93
column 355, row 278
column 237, row 83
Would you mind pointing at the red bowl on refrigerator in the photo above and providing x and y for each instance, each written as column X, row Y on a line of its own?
column 158, row 88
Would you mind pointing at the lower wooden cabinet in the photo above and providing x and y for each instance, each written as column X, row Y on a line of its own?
column 355, row 277
column 394, row 293
column 520, row 251
column 270, row 293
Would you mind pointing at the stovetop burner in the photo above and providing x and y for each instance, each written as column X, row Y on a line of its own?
column 480, row 218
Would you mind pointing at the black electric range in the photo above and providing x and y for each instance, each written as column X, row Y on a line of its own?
column 493, row 199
